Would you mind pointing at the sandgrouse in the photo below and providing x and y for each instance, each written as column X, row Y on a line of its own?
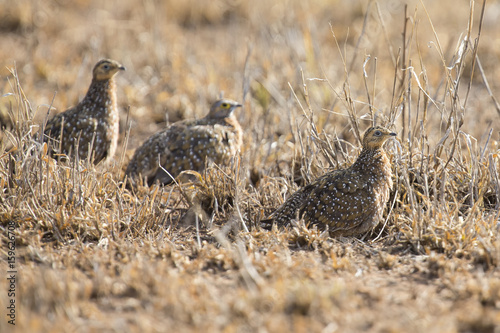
column 188, row 145
column 349, row 201
column 93, row 123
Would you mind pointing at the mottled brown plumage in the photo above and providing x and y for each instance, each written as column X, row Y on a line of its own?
column 94, row 122
column 188, row 145
column 348, row 201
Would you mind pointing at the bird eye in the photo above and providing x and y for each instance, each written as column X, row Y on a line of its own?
column 105, row 67
column 377, row 133
column 225, row 105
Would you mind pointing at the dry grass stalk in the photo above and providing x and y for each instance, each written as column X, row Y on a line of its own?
column 95, row 255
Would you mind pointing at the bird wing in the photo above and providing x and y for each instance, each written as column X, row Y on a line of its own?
column 341, row 200
column 182, row 146
column 289, row 209
column 53, row 126
column 73, row 127
column 183, row 137
column 144, row 162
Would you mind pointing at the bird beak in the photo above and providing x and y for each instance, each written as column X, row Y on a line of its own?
column 122, row 68
column 234, row 107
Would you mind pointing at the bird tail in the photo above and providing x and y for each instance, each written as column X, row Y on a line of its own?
column 267, row 224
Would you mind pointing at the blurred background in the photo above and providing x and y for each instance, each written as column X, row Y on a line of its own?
column 182, row 55
column 310, row 75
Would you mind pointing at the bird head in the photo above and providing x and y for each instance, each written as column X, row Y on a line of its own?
column 376, row 136
column 106, row 69
column 223, row 108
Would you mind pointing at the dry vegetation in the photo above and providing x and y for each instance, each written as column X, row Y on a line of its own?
column 93, row 256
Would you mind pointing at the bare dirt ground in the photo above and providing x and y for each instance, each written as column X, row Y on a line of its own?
column 93, row 256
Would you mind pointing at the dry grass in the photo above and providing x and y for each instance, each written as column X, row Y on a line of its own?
column 95, row 256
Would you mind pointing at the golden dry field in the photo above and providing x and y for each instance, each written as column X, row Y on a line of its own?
column 83, row 253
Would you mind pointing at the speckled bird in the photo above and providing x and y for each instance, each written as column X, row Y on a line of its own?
column 348, row 201
column 94, row 122
column 188, row 145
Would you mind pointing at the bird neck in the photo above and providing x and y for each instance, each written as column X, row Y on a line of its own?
column 100, row 97
column 211, row 120
column 233, row 122
column 370, row 157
